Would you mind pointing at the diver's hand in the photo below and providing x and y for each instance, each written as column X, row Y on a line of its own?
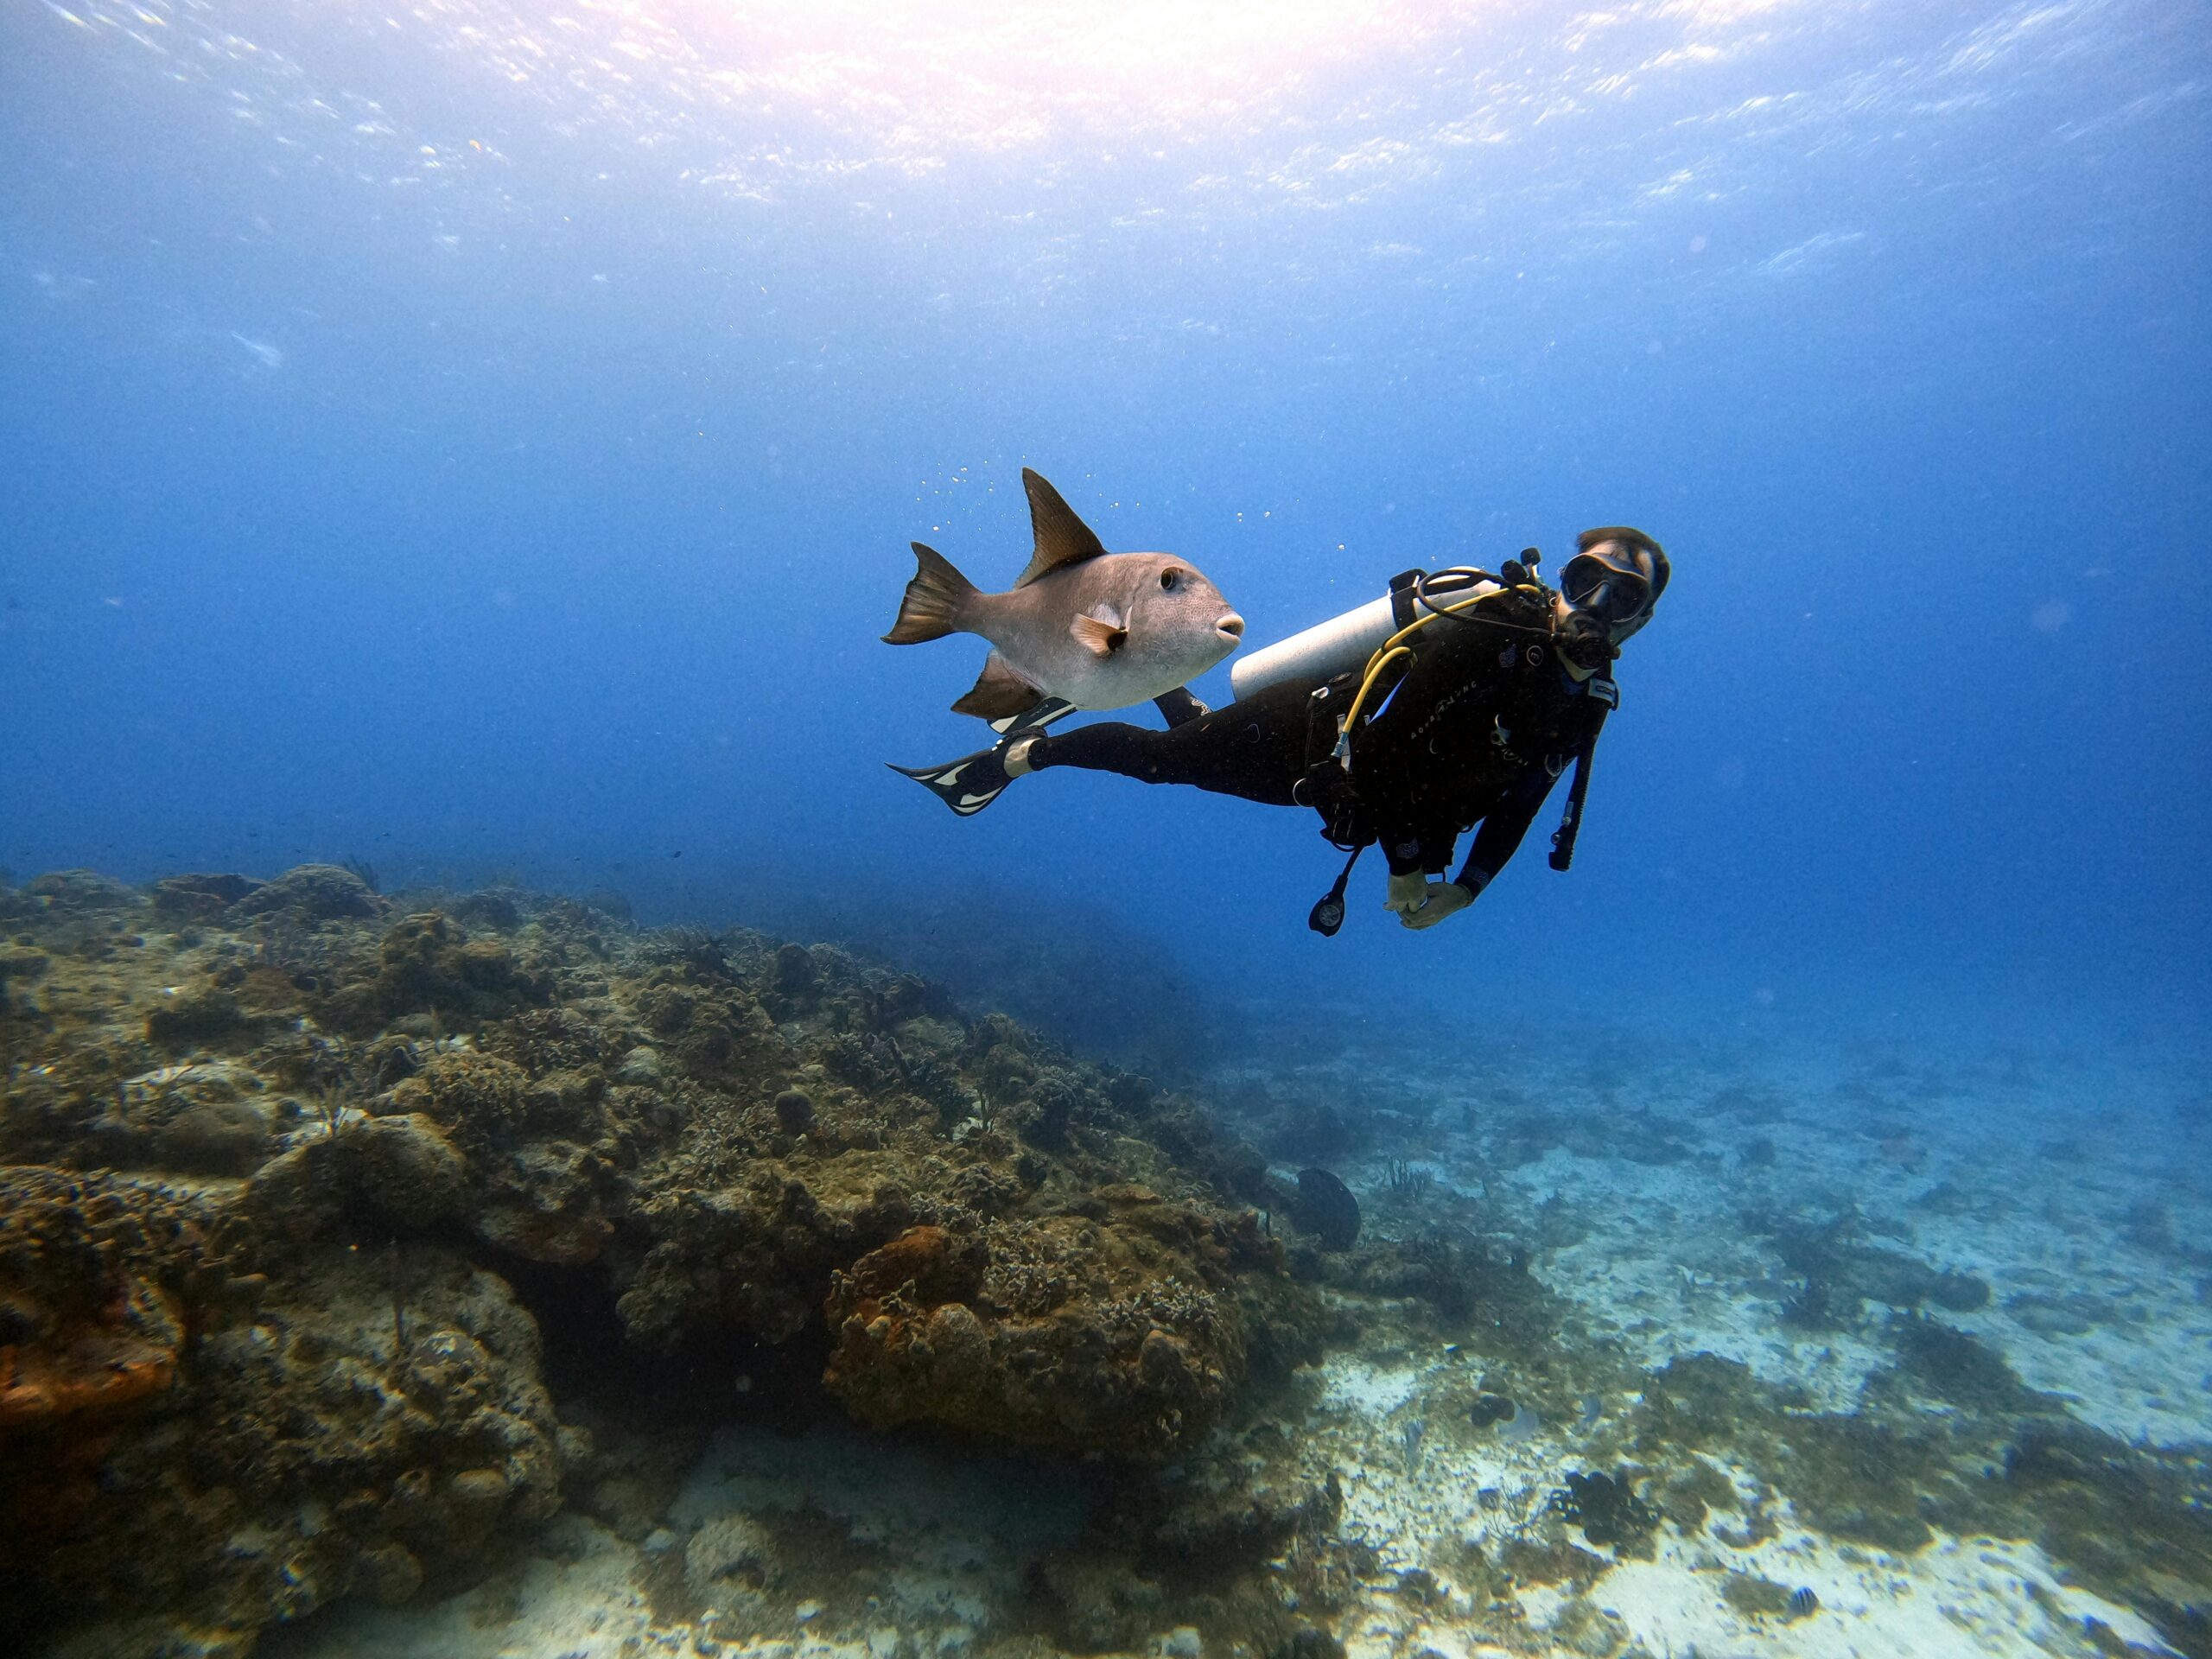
column 1419, row 902
column 1408, row 893
column 1444, row 899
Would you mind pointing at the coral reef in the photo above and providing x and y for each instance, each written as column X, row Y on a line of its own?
column 192, row 1425
column 1125, row 1335
column 282, row 1161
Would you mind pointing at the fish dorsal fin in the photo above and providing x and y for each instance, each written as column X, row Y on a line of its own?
column 1062, row 538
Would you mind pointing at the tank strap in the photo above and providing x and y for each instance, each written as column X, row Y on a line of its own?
column 1403, row 606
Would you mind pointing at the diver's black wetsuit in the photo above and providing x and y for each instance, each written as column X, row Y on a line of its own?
column 1476, row 729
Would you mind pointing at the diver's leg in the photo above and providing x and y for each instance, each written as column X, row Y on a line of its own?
column 1255, row 748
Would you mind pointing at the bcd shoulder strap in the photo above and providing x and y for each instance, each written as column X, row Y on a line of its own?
column 1602, row 691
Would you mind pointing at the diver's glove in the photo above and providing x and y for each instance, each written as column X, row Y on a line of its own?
column 1419, row 902
column 1408, row 893
column 1444, row 899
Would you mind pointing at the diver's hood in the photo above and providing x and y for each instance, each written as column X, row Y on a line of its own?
column 1615, row 576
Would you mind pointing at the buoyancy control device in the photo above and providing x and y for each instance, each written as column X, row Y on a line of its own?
column 1358, row 646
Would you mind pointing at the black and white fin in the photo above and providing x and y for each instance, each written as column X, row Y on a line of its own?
column 1180, row 707
column 968, row 784
column 1045, row 712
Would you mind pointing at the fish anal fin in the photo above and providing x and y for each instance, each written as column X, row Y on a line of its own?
column 1101, row 639
column 998, row 692
column 1062, row 538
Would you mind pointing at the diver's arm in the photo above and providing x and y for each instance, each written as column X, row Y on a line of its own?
column 1418, row 849
column 1420, row 900
column 1408, row 851
column 1503, row 827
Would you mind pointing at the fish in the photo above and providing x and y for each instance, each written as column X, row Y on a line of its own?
column 1092, row 629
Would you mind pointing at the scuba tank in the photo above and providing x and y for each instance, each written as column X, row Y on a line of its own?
column 1343, row 644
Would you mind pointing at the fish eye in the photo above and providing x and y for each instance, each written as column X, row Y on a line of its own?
column 1169, row 579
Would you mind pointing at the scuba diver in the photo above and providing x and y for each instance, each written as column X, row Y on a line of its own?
column 1457, row 700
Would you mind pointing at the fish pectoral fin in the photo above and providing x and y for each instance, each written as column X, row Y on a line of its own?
column 1101, row 639
column 998, row 692
column 1062, row 538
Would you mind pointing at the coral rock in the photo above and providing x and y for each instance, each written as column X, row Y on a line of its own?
column 315, row 892
column 427, row 964
column 399, row 1170
column 937, row 1266
column 81, row 891
column 1096, row 1371
column 199, row 897
column 219, row 1137
column 201, row 1016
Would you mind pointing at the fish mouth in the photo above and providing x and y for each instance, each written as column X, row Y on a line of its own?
column 1230, row 627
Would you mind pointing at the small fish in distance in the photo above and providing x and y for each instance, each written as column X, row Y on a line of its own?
column 1094, row 629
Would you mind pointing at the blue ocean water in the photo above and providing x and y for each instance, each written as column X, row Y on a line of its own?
column 482, row 442
column 484, row 439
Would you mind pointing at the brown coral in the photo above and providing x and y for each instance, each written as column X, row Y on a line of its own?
column 1133, row 1368
column 82, row 1262
column 94, row 1368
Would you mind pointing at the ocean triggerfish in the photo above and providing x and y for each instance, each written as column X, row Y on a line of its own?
column 1096, row 629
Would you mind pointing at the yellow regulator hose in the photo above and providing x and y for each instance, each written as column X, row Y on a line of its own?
column 1395, row 647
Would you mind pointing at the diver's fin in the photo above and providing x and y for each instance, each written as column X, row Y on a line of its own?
column 968, row 784
column 1101, row 639
column 931, row 607
column 1035, row 719
column 1000, row 693
column 1062, row 538
column 1179, row 706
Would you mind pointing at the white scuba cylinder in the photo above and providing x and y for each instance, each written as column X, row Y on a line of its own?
column 1336, row 646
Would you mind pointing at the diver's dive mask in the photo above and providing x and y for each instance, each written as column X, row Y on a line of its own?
column 1615, row 579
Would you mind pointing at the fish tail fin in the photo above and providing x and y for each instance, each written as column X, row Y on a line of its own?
column 935, row 598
